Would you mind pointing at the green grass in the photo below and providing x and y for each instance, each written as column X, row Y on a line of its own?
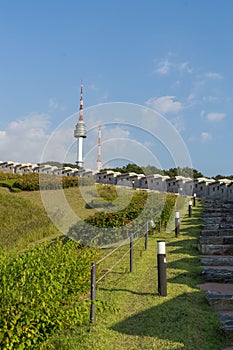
column 22, row 221
column 145, row 320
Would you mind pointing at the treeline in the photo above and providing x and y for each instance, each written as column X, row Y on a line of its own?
column 151, row 169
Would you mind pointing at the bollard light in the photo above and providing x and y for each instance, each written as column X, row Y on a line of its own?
column 194, row 199
column 190, row 209
column 177, row 223
column 161, row 259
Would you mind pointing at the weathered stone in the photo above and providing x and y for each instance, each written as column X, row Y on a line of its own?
column 220, row 302
column 227, row 321
column 214, row 249
column 216, row 274
column 216, row 240
column 219, row 232
column 216, row 244
column 219, row 260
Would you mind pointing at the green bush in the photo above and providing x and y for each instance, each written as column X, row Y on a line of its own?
column 41, row 292
column 35, row 182
column 28, row 182
column 8, row 176
column 108, row 192
column 105, row 228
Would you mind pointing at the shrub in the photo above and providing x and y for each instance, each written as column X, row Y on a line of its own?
column 42, row 292
column 105, row 228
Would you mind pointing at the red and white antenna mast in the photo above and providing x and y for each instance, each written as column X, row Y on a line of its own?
column 99, row 163
column 81, row 103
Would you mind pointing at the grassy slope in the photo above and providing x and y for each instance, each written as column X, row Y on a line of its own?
column 182, row 320
column 22, row 221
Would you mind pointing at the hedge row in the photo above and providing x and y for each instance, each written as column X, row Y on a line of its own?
column 35, row 181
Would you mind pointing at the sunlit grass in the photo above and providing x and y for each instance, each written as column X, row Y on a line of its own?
column 145, row 320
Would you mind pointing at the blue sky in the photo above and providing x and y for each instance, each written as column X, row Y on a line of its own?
column 173, row 56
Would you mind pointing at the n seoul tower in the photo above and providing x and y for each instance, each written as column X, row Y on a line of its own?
column 80, row 131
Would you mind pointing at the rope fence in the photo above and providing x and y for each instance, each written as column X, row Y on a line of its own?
column 133, row 239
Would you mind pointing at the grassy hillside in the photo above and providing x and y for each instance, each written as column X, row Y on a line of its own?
column 23, row 221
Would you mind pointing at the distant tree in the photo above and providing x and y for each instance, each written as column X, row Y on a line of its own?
column 172, row 172
column 151, row 169
column 219, row 177
column 59, row 164
column 129, row 168
column 197, row 174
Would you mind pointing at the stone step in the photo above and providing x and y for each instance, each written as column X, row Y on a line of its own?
column 219, row 232
column 216, row 211
column 220, row 296
column 226, row 318
column 221, row 213
column 220, row 302
column 211, row 227
column 222, row 274
column 216, row 260
column 215, row 249
column 220, row 226
column 215, row 221
column 216, row 240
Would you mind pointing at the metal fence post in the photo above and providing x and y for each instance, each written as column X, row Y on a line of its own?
column 93, row 293
column 146, row 235
column 161, row 260
column 131, row 253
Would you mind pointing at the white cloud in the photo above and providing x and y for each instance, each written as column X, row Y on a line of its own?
column 206, row 136
column 178, row 123
column 163, row 67
column 24, row 139
column 165, row 104
column 213, row 75
column 215, row 117
column 54, row 105
column 184, row 67
column 210, row 99
column 212, row 117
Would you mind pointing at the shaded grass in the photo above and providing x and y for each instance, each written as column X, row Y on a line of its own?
column 145, row 320
column 22, row 222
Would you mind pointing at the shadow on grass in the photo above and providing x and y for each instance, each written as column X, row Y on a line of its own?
column 128, row 291
column 185, row 246
column 185, row 319
column 191, row 272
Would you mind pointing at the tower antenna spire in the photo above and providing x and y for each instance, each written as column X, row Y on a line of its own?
column 81, row 102
column 99, row 162
column 80, row 131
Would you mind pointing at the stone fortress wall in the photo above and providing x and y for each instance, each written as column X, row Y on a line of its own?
column 202, row 187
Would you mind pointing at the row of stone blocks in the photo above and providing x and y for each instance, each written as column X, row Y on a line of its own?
column 216, row 249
